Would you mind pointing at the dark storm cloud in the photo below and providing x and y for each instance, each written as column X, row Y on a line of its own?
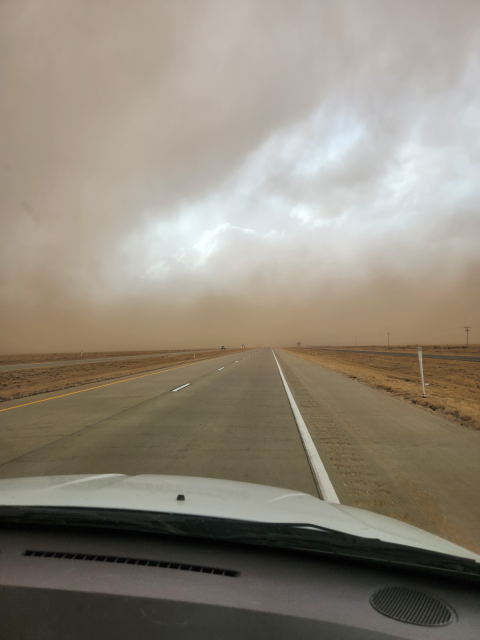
column 175, row 171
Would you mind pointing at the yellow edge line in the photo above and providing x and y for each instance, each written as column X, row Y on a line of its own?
column 100, row 386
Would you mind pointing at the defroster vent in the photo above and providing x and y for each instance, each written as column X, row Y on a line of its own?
column 139, row 562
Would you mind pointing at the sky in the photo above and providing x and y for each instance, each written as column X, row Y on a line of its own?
column 205, row 172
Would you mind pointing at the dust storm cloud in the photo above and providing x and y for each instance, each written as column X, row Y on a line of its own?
column 201, row 172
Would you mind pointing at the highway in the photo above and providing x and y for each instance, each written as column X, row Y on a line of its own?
column 230, row 417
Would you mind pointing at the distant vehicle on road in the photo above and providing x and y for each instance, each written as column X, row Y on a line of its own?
column 222, row 347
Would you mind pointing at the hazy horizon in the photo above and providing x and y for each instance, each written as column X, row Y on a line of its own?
column 197, row 173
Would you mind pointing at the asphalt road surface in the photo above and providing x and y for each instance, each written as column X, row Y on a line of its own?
column 233, row 420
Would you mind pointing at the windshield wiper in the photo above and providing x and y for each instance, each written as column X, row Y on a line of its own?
column 303, row 537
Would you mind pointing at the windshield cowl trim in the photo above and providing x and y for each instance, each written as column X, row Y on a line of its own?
column 294, row 537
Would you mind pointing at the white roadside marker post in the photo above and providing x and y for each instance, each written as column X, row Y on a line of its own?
column 420, row 362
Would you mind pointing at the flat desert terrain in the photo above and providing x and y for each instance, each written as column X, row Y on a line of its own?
column 453, row 385
column 74, row 355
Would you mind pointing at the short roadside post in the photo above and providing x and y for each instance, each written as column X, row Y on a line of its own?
column 420, row 362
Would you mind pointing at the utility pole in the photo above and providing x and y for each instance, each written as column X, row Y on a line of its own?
column 467, row 330
column 388, row 339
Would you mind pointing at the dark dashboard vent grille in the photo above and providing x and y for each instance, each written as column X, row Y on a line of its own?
column 140, row 562
column 411, row 606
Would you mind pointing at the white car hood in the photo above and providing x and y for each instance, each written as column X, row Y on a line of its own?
column 216, row 498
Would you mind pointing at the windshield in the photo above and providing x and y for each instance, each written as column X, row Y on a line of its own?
column 240, row 242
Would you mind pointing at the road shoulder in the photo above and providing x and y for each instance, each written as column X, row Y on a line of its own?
column 388, row 456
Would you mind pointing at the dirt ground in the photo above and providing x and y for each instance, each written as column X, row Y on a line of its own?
column 27, row 382
column 438, row 349
column 453, row 386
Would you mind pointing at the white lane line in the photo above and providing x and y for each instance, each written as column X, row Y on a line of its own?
column 318, row 468
column 181, row 387
column 220, row 368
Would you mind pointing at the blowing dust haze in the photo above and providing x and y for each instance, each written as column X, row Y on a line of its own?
column 196, row 173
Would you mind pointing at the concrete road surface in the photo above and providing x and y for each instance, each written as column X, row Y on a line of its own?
column 234, row 421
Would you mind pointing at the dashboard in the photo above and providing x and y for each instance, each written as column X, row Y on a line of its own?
column 82, row 584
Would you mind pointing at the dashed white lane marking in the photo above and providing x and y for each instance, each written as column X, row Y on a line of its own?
column 319, row 472
column 181, row 387
column 220, row 368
